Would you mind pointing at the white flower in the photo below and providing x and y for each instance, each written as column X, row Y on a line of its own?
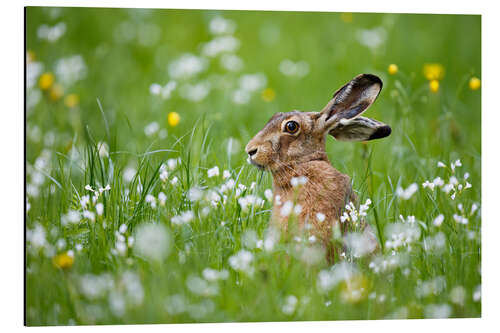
column 437, row 311
column 250, row 200
column 163, row 175
column 151, row 128
column 473, row 208
column 174, row 180
column 72, row 216
column 286, row 209
column 242, row 261
column 360, row 244
column 184, row 218
column 123, row 228
column 213, row 172
column 268, row 194
column 438, row 181
column 457, row 163
column 70, row 70
column 406, row 194
column 476, row 296
column 152, row 241
column 344, row 217
column 271, row 238
column 429, row 185
column 99, row 208
column 95, row 286
column 84, row 201
column 430, row 287
column 129, row 174
column 457, row 295
column 372, row 38
column 195, row 194
column 277, row 199
column 187, row 66
column 241, row 96
column 401, row 235
column 36, row 236
column 447, row 188
column 218, row 45
column 460, row 219
column 219, row 25
column 173, row 162
column 165, row 92
column 162, row 198
column 328, row 279
column 320, row 217
column 298, row 69
column 103, row 189
column 253, row 82
column 151, row 200
column 289, row 307
column 89, row 215
column 226, row 174
column 228, row 185
column 435, row 243
column 231, row 62
column 201, row 287
column 438, row 220
column 297, row 181
column 364, row 207
column 155, row 89
column 195, row 92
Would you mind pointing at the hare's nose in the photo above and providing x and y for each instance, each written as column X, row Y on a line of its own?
column 252, row 152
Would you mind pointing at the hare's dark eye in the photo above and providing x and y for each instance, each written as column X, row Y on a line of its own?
column 291, row 127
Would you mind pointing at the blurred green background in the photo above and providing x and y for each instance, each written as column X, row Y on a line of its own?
column 243, row 66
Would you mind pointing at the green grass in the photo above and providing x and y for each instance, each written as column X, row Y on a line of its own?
column 115, row 106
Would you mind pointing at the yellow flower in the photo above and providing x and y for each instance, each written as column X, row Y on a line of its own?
column 63, row 260
column 46, row 80
column 474, row 83
column 71, row 100
column 392, row 69
column 354, row 289
column 268, row 94
column 434, row 86
column 173, row 119
column 346, row 17
column 56, row 92
column 433, row 72
column 30, row 56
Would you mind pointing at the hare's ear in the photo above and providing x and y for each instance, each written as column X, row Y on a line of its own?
column 352, row 99
column 360, row 129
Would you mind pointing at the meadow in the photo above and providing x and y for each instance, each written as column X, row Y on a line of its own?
column 141, row 207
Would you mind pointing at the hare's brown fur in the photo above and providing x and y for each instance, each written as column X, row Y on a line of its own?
column 301, row 153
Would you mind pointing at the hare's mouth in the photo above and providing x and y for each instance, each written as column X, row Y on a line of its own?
column 251, row 161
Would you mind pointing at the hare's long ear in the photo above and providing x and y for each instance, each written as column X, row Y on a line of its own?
column 360, row 129
column 352, row 99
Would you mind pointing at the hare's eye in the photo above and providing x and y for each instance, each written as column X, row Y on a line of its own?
column 291, row 127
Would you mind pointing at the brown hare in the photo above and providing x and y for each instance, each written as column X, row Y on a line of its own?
column 292, row 146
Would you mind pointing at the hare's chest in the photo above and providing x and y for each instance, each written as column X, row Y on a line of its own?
column 313, row 207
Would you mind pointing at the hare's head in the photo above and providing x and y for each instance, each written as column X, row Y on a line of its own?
column 295, row 136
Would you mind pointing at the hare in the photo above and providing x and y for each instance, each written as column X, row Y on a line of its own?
column 292, row 146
